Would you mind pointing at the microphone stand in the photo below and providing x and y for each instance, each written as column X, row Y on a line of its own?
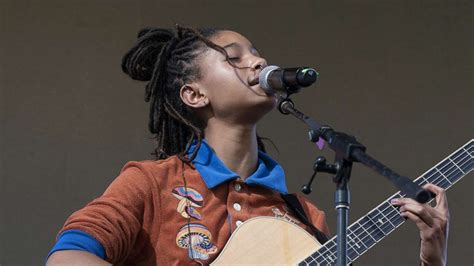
column 348, row 150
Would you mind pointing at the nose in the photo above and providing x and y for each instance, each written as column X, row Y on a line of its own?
column 259, row 63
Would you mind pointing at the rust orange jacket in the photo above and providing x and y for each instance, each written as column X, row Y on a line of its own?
column 151, row 211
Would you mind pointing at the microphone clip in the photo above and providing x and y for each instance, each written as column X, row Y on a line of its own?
column 285, row 105
column 320, row 165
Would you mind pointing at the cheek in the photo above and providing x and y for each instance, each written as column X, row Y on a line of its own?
column 225, row 82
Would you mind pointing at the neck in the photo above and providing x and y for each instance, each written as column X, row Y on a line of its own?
column 235, row 145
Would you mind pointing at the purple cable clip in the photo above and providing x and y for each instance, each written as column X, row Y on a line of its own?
column 320, row 143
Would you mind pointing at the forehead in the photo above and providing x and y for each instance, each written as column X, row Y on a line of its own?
column 226, row 37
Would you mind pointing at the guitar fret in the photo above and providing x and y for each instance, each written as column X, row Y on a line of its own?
column 320, row 259
column 351, row 239
column 308, row 261
column 428, row 176
column 425, row 180
column 352, row 231
column 467, row 151
column 445, row 167
column 352, row 254
column 438, row 179
column 311, row 262
column 331, row 258
column 377, row 227
column 357, row 244
column 385, row 218
column 465, row 162
column 325, row 255
column 456, row 165
column 386, row 207
column 443, row 176
column 379, row 220
column 454, row 173
column 370, row 235
column 448, row 169
column 332, row 251
column 365, row 237
column 397, row 216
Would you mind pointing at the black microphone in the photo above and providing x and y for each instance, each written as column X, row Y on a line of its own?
column 287, row 80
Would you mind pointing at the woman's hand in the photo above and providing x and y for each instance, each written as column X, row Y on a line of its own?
column 433, row 223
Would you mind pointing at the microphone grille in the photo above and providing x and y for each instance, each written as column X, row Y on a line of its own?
column 263, row 78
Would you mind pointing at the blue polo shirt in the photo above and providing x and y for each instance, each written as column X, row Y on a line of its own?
column 269, row 173
column 213, row 171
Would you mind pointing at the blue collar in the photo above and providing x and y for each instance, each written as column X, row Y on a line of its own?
column 269, row 173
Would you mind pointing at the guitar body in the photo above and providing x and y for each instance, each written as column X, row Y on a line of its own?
column 267, row 240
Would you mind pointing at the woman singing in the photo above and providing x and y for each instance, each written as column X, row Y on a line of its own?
column 211, row 171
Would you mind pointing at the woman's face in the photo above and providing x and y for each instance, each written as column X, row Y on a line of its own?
column 234, row 93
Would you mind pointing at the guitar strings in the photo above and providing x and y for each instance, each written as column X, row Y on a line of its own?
column 386, row 227
column 394, row 212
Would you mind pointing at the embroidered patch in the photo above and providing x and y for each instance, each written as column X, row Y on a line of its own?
column 197, row 239
column 189, row 199
column 279, row 214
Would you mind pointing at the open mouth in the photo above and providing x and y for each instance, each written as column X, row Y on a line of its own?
column 254, row 81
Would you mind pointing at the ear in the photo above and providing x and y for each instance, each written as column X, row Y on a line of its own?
column 192, row 96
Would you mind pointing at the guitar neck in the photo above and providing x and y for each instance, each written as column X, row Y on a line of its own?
column 385, row 218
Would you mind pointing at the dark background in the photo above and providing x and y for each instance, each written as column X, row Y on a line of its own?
column 396, row 74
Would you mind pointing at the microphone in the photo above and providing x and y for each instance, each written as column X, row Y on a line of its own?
column 287, row 80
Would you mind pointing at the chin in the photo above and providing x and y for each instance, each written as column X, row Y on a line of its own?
column 252, row 110
column 266, row 105
column 272, row 101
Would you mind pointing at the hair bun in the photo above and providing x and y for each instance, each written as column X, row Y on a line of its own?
column 144, row 31
column 140, row 60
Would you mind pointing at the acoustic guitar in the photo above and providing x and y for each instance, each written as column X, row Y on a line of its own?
column 271, row 240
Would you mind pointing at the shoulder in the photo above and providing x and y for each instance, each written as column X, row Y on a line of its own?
column 155, row 174
column 308, row 204
column 144, row 176
column 152, row 168
column 149, row 166
column 317, row 216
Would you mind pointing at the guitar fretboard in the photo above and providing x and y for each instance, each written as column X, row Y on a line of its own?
column 385, row 218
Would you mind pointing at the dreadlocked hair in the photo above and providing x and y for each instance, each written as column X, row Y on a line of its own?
column 166, row 59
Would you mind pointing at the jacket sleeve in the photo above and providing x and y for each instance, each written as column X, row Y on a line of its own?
column 115, row 218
